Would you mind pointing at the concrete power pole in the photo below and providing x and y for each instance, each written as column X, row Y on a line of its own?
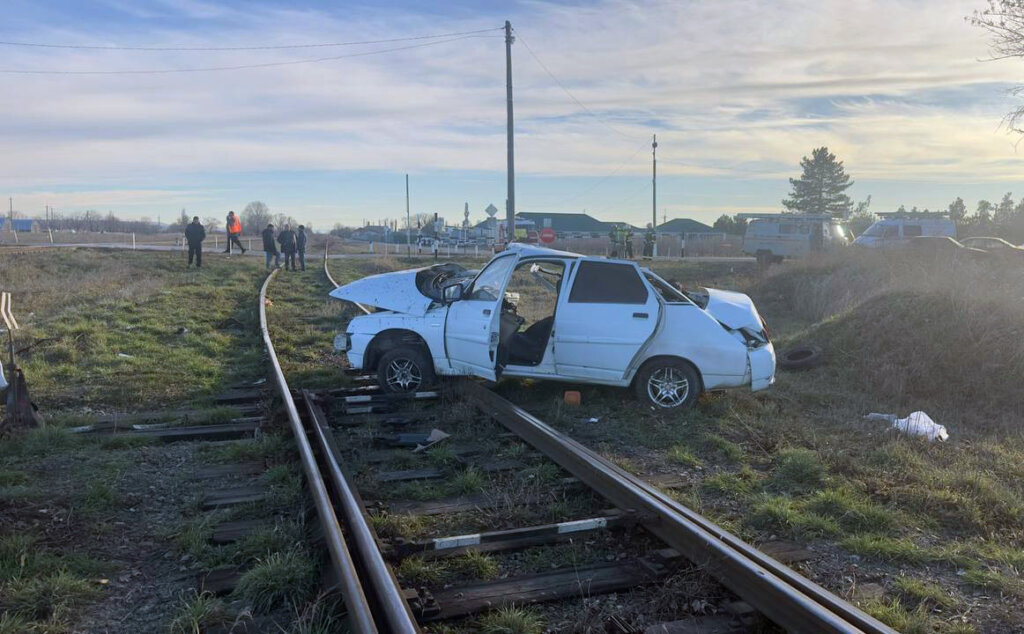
column 511, row 203
column 408, row 219
column 654, row 191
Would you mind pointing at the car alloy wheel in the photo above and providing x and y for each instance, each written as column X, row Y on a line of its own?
column 403, row 375
column 668, row 387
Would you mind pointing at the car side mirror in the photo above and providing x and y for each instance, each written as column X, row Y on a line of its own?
column 452, row 293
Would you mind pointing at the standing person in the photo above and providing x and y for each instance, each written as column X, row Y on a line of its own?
column 234, row 228
column 629, row 243
column 269, row 247
column 195, row 234
column 287, row 240
column 436, row 245
column 300, row 245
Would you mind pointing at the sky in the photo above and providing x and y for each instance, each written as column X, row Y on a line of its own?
column 737, row 92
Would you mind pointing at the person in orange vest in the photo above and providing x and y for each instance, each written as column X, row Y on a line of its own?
column 234, row 229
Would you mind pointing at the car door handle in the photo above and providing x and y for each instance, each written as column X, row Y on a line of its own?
column 487, row 311
column 641, row 315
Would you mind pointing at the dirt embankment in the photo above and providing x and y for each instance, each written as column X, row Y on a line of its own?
column 922, row 332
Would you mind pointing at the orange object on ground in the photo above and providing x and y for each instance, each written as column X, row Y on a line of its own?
column 572, row 397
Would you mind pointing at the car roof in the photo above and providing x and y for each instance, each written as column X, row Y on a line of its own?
column 530, row 250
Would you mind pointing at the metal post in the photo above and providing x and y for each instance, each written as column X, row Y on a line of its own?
column 408, row 220
column 511, row 202
column 133, row 241
column 654, row 193
column 50, row 232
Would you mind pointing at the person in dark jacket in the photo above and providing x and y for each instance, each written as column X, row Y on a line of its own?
column 195, row 234
column 270, row 247
column 287, row 240
column 300, row 246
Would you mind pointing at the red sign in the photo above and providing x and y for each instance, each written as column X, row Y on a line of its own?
column 547, row 235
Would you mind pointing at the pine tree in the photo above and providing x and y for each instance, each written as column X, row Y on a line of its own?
column 957, row 210
column 820, row 189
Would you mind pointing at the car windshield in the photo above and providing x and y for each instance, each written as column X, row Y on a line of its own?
column 875, row 231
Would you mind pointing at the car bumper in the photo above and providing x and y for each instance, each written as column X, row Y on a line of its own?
column 762, row 367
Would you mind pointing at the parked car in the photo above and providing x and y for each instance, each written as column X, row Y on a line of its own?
column 946, row 246
column 996, row 246
column 774, row 237
column 896, row 229
column 544, row 314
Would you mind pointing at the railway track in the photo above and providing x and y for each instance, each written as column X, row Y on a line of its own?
column 376, row 601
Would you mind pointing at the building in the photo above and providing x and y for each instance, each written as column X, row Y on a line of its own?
column 680, row 226
column 21, row 225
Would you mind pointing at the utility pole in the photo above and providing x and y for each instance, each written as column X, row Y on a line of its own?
column 511, row 202
column 654, row 191
column 408, row 219
column 10, row 202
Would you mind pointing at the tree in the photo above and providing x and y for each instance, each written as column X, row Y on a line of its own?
column 957, row 210
column 255, row 217
column 724, row 224
column 211, row 223
column 861, row 218
column 1004, row 21
column 819, row 190
column 1004, row 212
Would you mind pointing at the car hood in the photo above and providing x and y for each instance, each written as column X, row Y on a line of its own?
column 735, row 310
column 388, row 291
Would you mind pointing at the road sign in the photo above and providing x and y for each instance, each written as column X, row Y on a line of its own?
column 547, row 235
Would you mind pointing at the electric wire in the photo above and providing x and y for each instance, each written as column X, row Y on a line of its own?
column 171, row 71
column 115, row 47
column 569, row 93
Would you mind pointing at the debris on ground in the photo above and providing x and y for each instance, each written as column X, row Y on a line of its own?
column 435, row 436
column 125, row 356
column 801, row 358
column 572, row 397
column 419, row 441
column 917, row 424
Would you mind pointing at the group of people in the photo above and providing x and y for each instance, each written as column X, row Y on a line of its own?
column 293, row 243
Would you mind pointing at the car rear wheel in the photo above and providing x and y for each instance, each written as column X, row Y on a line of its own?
column 404, row 369
column 668, row 384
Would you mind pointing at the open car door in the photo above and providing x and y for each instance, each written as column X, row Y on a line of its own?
column 604, row 320
column 471, row 327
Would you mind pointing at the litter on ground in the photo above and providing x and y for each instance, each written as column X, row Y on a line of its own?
column 917, row 424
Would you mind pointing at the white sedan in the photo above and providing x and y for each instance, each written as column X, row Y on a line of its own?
column 543, row 314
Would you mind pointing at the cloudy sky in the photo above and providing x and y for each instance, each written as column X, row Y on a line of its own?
column 737, row 92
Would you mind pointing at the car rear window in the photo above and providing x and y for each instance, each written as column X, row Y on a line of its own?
column 607, row 283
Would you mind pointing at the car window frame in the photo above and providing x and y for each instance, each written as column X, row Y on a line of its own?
column 501, row 289
column 631, row 265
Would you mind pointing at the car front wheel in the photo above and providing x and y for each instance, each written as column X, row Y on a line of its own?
column 404, row 369
column 668, row 384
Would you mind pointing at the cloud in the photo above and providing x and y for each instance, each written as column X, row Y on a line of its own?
column 734, row 89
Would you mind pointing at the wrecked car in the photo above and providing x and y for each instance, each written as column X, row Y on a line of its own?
column 537, row 313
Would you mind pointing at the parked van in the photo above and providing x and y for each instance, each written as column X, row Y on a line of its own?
column 773, row 237
column 897, row 228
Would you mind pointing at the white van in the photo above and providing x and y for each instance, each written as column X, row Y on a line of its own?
column 895, row 229
column 773, row 237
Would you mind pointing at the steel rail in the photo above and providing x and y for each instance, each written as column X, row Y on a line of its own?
column 355, row 600
column 785, row 597
column 386, row 590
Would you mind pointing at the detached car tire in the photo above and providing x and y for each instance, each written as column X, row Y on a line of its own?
column 405, row 369
column 801, row 358
column 668, row 384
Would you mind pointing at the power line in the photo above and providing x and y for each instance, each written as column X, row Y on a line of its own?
column 603, row 179
column 569, row 94
column 115, row 47
column 236, row 67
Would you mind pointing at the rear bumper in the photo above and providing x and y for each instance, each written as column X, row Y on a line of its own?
column 762, row 367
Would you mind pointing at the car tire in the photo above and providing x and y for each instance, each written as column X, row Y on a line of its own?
column 801, row 358
column 668, row 384
column 405, row 369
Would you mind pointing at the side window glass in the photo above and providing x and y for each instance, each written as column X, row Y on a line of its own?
column 607, row 283
column 487, row 286
column 890, row 231
column 911, row 231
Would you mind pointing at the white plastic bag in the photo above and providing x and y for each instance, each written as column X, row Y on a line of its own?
column 917, row 424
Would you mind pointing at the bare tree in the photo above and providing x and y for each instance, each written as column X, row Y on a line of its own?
column 211, row 223
column 255, row 217
column 1004, row 21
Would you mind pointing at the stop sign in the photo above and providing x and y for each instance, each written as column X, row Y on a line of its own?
column 547, row 235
